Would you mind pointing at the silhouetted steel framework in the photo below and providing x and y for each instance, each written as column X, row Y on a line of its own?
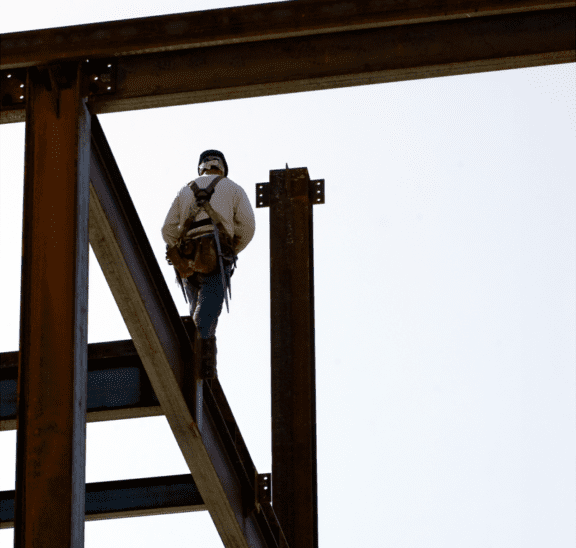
column 57, row 80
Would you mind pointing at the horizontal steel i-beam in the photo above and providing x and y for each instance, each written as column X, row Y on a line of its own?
column 352, row 58
column 118, row 388
column 308, row 48
column 241, row 24
column 127, row 498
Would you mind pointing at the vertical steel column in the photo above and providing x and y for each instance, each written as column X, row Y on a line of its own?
column 52, row 373
column 294, row 484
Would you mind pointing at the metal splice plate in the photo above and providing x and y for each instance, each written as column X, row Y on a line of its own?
column 263, row 195
column 316, row 193
column 264, row 488
column 13, row 87
column 100, row 75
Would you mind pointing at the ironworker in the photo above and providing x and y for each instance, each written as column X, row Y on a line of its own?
column 209, row 222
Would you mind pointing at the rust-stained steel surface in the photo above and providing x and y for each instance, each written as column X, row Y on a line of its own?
column 179, row 59
column 294, row 469
column 228, row 452
column 242, row 24
column 127, row 498
column 344, row 59
column 115, row 224
column 321, row 54
column 118, row 386
column 52, row 377
column 117, row 381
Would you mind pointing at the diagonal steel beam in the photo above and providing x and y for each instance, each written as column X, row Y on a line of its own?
column 130, row 268
column 442, row 44
column 51, row 453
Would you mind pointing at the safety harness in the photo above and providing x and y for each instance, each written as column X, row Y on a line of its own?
column 193, row 255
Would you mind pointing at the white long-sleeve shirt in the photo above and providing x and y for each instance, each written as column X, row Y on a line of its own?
column 229, row 201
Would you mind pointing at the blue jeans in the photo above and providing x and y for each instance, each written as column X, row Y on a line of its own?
column 205, row 294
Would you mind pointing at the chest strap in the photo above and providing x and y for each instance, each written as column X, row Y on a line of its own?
column 198, row 224
column 202, row 196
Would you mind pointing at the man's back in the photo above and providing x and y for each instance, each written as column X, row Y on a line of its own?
column 229, row 201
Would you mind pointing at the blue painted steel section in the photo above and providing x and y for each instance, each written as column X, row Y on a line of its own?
column 110, row 385
column 126, row 495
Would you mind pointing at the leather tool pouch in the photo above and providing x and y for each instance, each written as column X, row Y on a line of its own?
column 196, row 255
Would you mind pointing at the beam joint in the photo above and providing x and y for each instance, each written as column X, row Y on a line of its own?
column 312, row 45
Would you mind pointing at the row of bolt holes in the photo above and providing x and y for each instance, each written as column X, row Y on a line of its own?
column 87, row 60
column 317, row 192
column 94, row 77
column 21, row 85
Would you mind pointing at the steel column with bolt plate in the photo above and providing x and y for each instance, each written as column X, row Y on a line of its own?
column 290, row 196
column 51, row 446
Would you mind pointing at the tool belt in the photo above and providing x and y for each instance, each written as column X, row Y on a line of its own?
column 199, row 254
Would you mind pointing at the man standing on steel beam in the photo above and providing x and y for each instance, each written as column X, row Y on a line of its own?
column 209, row 223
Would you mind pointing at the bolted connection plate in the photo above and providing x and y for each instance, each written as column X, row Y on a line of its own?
column 264, row 488
column 315, row 189
column 100, row 75
column 13, row 87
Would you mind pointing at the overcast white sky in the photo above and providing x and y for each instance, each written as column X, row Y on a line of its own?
column 445, row 263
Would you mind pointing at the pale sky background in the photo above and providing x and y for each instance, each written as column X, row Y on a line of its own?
column 445, row 267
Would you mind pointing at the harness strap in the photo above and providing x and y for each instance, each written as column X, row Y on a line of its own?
column 198, row 224
column 202, row 196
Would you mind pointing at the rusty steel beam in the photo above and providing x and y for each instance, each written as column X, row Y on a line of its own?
column 127, row 498
column 290, row 196
column 437, row 46
column 241, row 24
column 118, row 386
column 51, row 453
column 134, row 277
column 326, row 61
column 164, row 346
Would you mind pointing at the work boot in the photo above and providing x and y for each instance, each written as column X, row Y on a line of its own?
column 206, row 349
